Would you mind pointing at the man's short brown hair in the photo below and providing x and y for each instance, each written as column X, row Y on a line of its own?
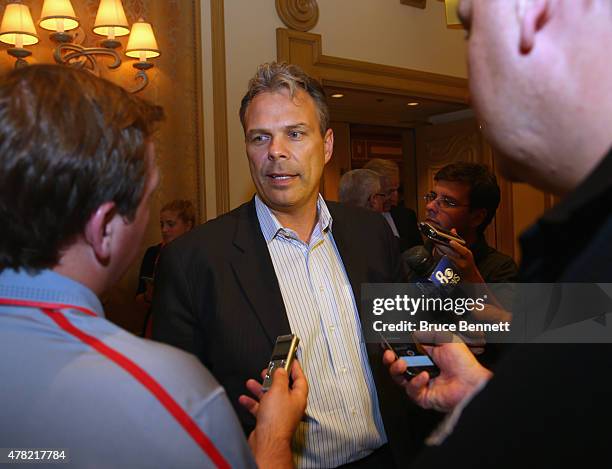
column 484, row 190
column 272, row 77
column 69, row 142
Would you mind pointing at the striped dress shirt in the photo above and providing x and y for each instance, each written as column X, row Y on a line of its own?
column 343, row 421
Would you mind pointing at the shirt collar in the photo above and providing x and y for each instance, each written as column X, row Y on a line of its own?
column 48, row 286
column 270, row 226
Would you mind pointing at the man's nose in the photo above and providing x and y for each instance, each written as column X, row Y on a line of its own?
column 277, row 148
column 432, row 206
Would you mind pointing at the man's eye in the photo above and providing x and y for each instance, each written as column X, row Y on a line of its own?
column 296, row 134
column 258, row 138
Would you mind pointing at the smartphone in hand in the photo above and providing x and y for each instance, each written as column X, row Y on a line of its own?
column 415, row 357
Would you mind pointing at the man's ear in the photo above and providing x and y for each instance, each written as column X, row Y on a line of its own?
column 328, row 144
column 100, row 229
column 533, row 15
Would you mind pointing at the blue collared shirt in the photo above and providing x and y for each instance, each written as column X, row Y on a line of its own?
column 58, row 392
column 343, row 421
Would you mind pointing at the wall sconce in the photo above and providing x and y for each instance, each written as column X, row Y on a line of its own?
column 111, row 22
column 18, row 29
column 142, row 46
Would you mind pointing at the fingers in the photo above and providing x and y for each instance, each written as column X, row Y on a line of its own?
column 389, row 357
column 280, row 379
column 249, row 404
column 397, row 370
column 263, row 373
column 460, row 249
column 419, row 382
column 255, row 388
column 396, row 367
column 416, row 389
column 300, row 383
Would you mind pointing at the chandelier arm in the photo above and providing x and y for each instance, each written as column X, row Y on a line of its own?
column 86, row 53
column 144, row 81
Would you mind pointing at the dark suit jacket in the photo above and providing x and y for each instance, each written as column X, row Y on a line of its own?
column 405, row 220
column 217, row 296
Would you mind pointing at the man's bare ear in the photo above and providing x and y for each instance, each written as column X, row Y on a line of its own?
column 99, row 230
column 328, row 144
column 533, row 15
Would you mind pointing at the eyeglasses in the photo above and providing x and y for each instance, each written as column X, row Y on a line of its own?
column 443, row 201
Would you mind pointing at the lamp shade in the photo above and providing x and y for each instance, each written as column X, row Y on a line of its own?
column 111, row 20
column 17, row 26
column 142, row 43
column 58, row 15
column 452, row 18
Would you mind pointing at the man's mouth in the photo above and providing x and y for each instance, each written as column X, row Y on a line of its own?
column 281, row 176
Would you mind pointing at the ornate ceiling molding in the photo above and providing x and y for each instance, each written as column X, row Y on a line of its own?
column 300, row 15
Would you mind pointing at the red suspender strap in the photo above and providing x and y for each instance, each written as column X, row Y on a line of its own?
column 133, row 369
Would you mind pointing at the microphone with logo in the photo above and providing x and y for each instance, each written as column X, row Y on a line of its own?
column 434, row 279
column 421, row 267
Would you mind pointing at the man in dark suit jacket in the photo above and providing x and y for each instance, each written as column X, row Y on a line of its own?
column 227, row 289
column 405, row 220
column 401, row 219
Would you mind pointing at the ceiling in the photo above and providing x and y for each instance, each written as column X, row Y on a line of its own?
column 377, row 108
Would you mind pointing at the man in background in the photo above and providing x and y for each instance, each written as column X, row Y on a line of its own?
column 362, row 188
column 77, row 170
column 464, row 198
column 546, row 403
column 401, row 219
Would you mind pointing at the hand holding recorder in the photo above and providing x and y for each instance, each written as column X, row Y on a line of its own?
column 278, row 412
column 460, row 375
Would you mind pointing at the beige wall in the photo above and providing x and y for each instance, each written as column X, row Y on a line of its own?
column 376, row 31
column 389, row 33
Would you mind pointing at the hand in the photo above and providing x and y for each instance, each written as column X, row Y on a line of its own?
column 278, row 413
column 460, row 374
column 463, row 259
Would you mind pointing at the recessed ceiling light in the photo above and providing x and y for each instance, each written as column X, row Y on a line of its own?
column 412, row 104
column 337, row 95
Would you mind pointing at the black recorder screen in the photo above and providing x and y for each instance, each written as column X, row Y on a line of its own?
column 281, row 350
